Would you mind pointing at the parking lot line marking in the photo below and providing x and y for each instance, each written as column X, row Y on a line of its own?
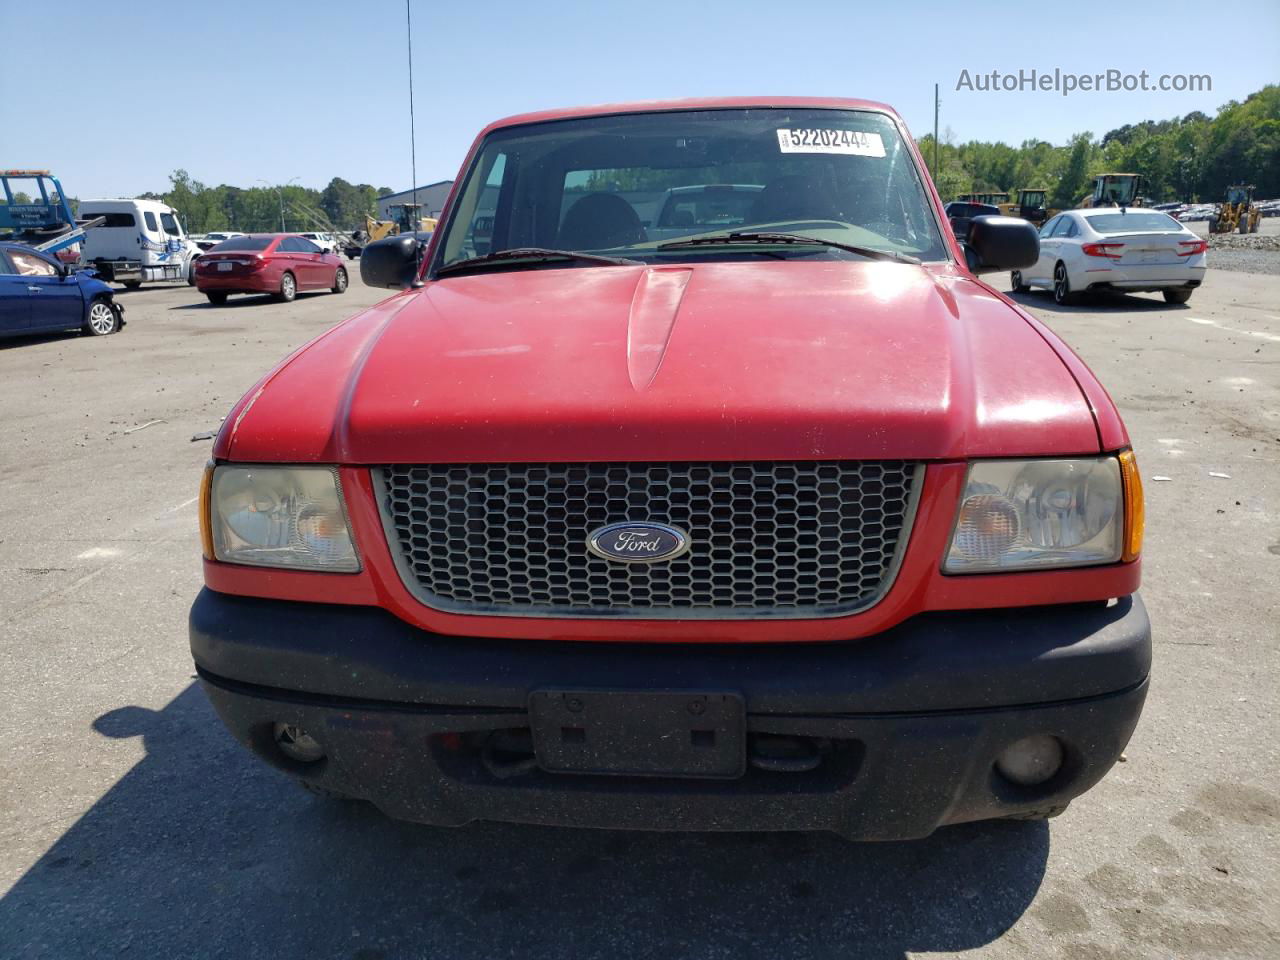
column 98, row 553
column 184, row 503
column 113, row 558
column 1248, row 333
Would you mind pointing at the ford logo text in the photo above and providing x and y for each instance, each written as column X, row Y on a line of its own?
column 638, row 542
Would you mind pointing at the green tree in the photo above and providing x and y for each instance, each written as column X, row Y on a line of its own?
column 341, row 202
column 1074, row 179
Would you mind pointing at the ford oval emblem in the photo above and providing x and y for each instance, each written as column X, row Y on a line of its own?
column 638, row 542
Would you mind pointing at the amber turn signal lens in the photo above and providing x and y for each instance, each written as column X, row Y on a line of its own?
column 206, row 528
column 1134, row 510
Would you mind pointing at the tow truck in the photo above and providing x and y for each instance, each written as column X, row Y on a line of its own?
column 41, row 217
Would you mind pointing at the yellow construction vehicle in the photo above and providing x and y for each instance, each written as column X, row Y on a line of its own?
column 406, row 221
column 992, row 198
column 1115, row 190
column 408, row 218
column 1030, row 205
column 1238, row 212
column 355, row 242
column 377, row 229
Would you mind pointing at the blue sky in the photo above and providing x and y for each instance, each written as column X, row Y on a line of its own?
column 237, row 91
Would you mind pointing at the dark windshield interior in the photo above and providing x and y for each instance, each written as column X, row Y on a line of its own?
column 622, row 185
column 243, row 243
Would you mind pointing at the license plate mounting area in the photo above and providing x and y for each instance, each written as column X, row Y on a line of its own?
column 678, row 733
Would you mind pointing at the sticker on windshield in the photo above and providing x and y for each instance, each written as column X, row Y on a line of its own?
column 855, row 143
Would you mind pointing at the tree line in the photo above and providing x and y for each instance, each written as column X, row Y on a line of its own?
column 1188, row 159
column 258, row 209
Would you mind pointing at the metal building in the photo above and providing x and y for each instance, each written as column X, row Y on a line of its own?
column 432, row 198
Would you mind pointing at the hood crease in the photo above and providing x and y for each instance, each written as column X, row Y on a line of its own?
column 654, row 308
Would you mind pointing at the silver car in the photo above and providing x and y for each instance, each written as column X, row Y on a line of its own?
column 1122, row 250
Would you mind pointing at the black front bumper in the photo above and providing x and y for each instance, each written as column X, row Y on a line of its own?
column 910, row 721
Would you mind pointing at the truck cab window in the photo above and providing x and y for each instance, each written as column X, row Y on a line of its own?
column 477, row 239
column 150, row 219
column 170, row 224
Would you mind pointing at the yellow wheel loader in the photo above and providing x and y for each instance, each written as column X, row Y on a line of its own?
column 1031, row 205
column 1115, row 190
column 406, row 221
column 1238, row 213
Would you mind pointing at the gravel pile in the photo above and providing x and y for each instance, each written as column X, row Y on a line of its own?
column 1245, row 261
column 1244, row 241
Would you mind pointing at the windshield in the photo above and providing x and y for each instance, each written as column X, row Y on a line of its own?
column 625, row 185
column 243, row 243
column 1134, row 223
column 170, row 224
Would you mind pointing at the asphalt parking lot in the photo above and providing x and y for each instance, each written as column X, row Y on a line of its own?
column 132, row 825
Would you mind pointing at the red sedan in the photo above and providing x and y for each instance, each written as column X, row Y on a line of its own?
column 281, row 264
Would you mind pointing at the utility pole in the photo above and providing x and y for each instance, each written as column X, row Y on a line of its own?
column 936, row 103
column 280, row 195
column 413, row 140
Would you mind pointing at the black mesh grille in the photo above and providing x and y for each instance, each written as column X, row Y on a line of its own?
column 767, row 539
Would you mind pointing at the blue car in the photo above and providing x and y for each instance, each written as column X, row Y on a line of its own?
column 40, row 295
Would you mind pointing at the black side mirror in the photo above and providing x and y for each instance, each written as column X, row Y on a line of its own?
column 391, row 262
column 1001, row 243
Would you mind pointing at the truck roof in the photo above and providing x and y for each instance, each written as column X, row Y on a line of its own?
column 126, row 201
column 691, row 103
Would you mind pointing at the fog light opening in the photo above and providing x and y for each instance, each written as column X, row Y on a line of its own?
column 787, row 754
column 296, row 744
column 1031, row 761
column 509, row 753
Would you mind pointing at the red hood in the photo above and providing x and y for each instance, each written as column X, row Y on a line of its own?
column 740, row 360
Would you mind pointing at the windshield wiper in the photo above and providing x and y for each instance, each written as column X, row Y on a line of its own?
column 727, row 238
column 535, row 255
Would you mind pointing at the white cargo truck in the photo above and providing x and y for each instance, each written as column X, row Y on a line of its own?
column 139, row 241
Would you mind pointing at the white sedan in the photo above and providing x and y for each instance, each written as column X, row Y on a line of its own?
column 211, row 240
column 1121, row 250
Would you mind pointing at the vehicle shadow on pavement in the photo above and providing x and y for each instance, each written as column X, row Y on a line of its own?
column 1095, row 302
column 248, row 301
column 28, row 340
column 200, row 850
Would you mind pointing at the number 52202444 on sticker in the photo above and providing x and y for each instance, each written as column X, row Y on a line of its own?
column 821, row 140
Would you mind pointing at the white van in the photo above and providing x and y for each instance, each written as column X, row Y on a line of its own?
column 139, row 241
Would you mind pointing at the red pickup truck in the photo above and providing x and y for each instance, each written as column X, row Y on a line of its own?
column 763, row 514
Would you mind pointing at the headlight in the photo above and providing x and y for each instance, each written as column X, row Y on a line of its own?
column 1032, row 514
column 280, row 517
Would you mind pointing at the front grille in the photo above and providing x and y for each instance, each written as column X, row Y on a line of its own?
column 767, row 539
